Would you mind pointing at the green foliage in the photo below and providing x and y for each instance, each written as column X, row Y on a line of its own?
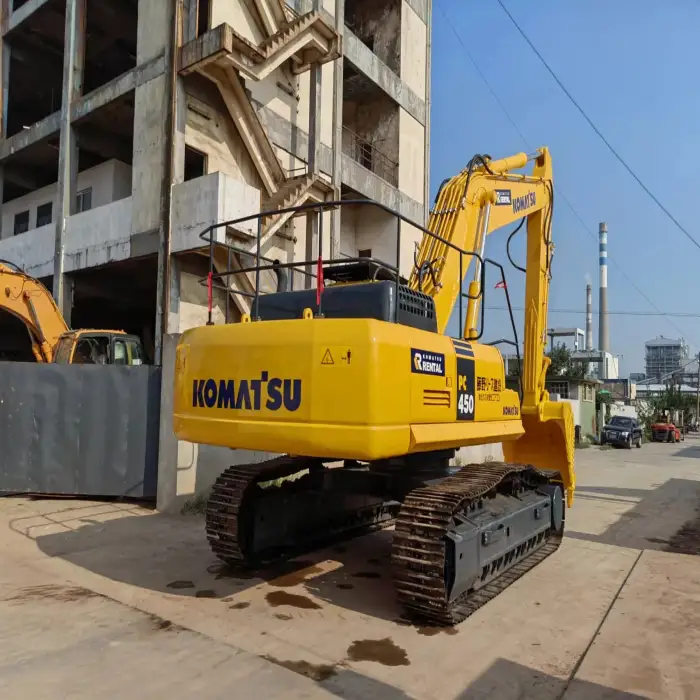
column 195, row 506
column 655, row 407
column 562, row 364
column 603, row 399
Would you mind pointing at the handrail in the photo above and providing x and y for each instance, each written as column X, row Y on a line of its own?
column 370, row 157
column 216, row 279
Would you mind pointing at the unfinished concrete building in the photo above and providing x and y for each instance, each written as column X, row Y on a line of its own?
column 130, row 127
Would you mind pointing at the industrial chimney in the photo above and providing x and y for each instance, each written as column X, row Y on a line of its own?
column 603, row 332
column 589, row 318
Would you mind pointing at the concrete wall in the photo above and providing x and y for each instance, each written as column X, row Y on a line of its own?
column 110, row 181
column 479, row 454
column 411, row 157
column 151, row 111
column 623, row 410
column 588, row 418
column 98, row 236
column 240, row 16
column 209, row 130
column 413, row 45
column 379, row 26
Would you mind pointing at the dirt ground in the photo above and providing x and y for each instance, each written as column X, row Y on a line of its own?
column 117, row 597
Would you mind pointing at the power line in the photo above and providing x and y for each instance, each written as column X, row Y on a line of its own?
column 562, row 194
column 597, row 130
column 610, row 313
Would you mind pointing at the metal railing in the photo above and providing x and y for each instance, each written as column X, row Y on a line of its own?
column 370, row 157
column 219, row 280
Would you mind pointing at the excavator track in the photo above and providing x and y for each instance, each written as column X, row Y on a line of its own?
column 232, row 514
column 420, row 550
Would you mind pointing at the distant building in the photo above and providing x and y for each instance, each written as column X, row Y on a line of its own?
column 637, row 376
column 621, row 390
column 663, row 356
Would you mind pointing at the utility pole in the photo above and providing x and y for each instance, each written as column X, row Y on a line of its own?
column 697, row 395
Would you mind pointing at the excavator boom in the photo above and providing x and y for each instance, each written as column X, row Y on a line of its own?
column 30, row 301
column 486, row 196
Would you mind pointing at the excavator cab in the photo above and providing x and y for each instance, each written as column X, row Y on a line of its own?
column 99, row 348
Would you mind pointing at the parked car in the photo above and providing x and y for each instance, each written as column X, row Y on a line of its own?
column 666, row 432
column 622, row 431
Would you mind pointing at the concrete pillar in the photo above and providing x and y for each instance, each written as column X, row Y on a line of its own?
column 428, row 103
column 153, row 138
column 174, row 306
column 189, row 20
column 73, row 68
column 315, row 82
column 337, row 130
column 4, row 66
column 4, row 89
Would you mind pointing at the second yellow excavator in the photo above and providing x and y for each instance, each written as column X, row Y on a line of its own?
column 51, row 339
column 356, row 384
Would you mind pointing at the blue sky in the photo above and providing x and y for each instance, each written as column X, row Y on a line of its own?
column 632, row 65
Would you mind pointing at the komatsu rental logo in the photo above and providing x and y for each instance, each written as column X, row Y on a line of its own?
column 424, row 362
column 248, row 394
column 525, row 202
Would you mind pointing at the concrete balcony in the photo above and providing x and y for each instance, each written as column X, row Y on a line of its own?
column 94, row 237
column 103, row 235
column 209, row 200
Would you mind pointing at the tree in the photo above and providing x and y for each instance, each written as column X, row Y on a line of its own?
column 562, row 365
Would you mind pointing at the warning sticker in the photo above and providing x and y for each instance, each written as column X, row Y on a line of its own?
column 336, row 356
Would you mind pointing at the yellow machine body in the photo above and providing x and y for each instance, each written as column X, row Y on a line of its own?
column 353, row 388
column 367, row 389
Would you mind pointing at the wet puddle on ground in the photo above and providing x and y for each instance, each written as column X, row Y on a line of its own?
column 280, row 598
column 317, row 672
column 381, row 651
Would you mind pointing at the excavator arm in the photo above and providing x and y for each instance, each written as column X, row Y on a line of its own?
column 484, row 197
column 28, row 300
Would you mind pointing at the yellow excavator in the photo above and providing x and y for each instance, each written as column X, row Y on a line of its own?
column 52, row 340
column 365, row 398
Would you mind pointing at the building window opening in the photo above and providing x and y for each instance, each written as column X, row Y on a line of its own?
column 84, row 200
column 44, row 214
column 203, row 16
column 195, row 163
column 561, row 388
column 21, row 222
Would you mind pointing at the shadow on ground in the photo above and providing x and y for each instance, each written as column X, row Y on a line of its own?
column 503, row 680
column 170, row 554
column 692, row 451
column 666, row 517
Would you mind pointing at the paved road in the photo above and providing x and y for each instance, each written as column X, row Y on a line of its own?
column 113, row 600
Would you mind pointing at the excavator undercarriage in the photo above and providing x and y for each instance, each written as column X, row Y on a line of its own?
column 462, row 535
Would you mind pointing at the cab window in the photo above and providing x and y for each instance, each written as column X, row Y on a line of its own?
column 121, row 356
column 92, row 351
column 135, row 352
column 63, row 350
